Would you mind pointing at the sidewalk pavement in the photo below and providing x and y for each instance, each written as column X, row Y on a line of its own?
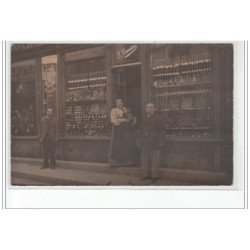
column 28, row 172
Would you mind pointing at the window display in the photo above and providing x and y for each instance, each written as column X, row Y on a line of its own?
column 85, row 98
column 182, row 89
column 23, row 101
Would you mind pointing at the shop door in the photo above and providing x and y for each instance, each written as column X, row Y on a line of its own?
column 127, row 86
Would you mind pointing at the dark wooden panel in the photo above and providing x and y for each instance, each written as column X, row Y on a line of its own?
column 66, row 149
column 25, row 148
column 227, row 159
column 189, row 155
column 86, row 150
column 85, row 54
column 174, row 155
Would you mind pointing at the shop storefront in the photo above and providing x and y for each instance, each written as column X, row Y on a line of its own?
column 191, row 85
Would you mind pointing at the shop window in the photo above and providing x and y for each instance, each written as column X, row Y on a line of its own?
column 182, row 88
column 85, row 98
column 23, row 100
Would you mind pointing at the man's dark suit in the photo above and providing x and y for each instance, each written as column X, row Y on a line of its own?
column 151, row 137
column 48, row 135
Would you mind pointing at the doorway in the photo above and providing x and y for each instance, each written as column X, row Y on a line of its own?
column 127, row 86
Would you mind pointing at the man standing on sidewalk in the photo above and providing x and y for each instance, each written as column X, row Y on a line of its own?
column 47, row 136
column 150, row 140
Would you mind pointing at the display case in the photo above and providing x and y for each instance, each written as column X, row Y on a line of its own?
column 86, row 98
column 23, row 99
column 182, row 89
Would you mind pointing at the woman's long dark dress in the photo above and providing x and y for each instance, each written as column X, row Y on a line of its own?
column 123, row 146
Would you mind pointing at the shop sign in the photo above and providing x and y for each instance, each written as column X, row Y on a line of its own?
column 125, row 53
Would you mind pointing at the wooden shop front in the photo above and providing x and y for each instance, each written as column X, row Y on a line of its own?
column 191, row 85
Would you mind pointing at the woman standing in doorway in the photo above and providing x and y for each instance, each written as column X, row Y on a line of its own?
column 123, row 147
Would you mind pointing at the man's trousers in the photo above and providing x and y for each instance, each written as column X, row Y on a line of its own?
column 150, row 162
column 49, row 147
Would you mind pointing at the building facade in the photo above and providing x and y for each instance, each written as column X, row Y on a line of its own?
column 191, row 85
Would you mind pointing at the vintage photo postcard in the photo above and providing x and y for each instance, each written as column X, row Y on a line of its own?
column 121, row 114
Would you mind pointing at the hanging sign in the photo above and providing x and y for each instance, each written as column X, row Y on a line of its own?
column 125, row 53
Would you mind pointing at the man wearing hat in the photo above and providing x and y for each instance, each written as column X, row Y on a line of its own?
column 47, row 134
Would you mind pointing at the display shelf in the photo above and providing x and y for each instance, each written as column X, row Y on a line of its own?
column 163, row 85
column 186, row 109
column 86, row 78
column 183, row 93
column 182, row 89
column 85, row 99
column 87, row 86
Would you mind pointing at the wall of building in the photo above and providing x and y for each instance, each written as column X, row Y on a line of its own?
column 189, row 154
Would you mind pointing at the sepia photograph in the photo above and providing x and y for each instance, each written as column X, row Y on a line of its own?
column 124, row 125
column 122, row 114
